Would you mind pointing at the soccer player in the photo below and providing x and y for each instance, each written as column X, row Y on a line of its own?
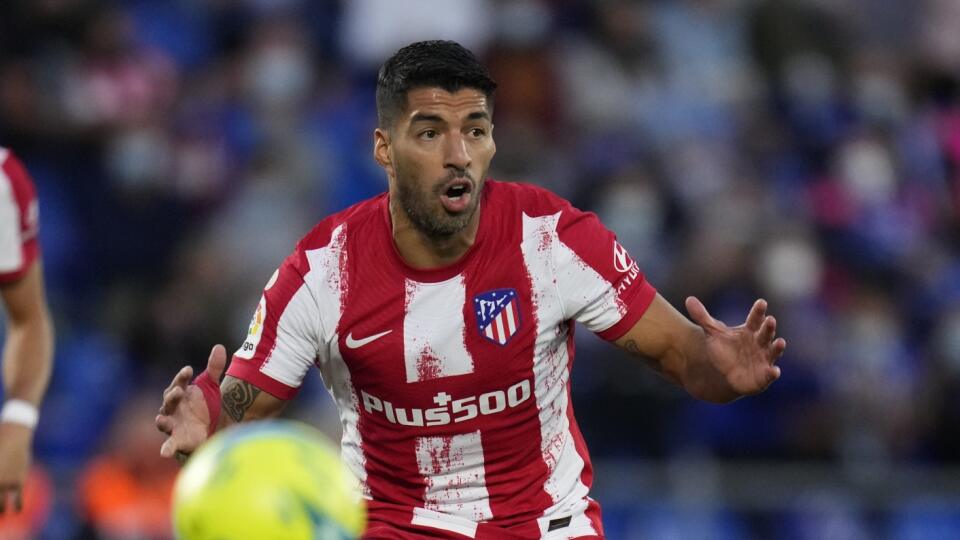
column 441, row 314
column 28, row 350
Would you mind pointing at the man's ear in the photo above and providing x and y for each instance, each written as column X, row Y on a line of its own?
column 381, row 149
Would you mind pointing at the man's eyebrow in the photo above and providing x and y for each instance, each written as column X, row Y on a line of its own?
column 478, row 115
column 423, row 117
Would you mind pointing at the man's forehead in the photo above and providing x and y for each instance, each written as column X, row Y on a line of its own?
column 437, row 100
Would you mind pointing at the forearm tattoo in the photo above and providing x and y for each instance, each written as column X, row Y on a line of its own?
column 631, row 347
column 238, row 396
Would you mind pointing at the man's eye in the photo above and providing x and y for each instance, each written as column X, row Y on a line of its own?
column 428, row 134
column 478, row 132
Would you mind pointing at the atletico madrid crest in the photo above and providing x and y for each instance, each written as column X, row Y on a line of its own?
column 498, row 314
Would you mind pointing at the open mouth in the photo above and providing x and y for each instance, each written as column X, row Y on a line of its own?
column 457, row 191
column 456, row 197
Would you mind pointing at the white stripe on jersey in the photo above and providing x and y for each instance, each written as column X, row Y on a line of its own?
column 445, row 522
column 348, row 405
column 295, row 349
column 314, row 307
column 327, row 281
column 587, row 297
column 11, row 242
column 551, row 373
column 453, row 468
column 434, row 333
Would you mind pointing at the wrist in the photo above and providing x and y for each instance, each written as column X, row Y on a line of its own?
column 20, row 412
column 211, row 395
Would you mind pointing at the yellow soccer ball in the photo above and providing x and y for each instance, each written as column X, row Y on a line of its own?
column 274, row 479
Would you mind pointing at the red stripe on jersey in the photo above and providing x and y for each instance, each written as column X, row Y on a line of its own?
column 376, row 368
column 586, row 476
column 515, row 471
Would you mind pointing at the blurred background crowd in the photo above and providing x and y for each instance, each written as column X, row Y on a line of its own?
column 805, row 151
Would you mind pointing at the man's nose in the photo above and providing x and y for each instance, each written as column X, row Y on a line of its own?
column 456, row 154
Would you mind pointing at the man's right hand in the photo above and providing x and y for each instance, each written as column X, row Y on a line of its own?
column 184, row 417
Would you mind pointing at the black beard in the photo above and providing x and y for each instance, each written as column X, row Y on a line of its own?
column 417, row 205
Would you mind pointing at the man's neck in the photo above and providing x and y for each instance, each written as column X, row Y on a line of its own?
column 426, row 252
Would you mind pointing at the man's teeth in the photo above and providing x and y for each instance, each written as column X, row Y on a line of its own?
column 455, row 193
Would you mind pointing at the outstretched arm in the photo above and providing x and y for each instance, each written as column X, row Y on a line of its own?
column 185, row 416
column 27, row 359
column 709, row 359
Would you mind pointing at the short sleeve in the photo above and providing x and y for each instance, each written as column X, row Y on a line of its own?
column 599, row 283
column 19, row 219
column 281, row 342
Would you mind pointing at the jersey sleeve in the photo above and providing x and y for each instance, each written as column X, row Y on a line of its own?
column 599, row 284
column 19, row 219
column 282, row 340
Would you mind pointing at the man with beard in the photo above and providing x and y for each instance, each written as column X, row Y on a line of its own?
column 441, row 314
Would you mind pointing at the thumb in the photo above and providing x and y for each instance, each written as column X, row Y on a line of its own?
column 217, row 362
column 699, row 314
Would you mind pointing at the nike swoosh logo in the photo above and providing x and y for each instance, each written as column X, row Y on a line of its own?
column 357, row 343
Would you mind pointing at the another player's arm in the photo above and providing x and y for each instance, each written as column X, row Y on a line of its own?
column 28, row 351
column 27, row 361
column 708, row 359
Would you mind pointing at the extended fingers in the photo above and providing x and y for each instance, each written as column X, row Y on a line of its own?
column 169, row 447
column 164, row 423
column 181, row 378
column 171, row 399
column 699, row 314
column 757, row 314
column 773, row 373
column 768, row 328
column 776, row 349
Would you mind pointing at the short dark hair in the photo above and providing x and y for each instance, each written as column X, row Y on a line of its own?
column 444, row 64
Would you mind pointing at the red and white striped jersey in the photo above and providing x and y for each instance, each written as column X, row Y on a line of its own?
column 453, row 384
column 19, row 218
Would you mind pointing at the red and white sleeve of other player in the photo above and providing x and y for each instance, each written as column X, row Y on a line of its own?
column 19, row 218
column 453, row 384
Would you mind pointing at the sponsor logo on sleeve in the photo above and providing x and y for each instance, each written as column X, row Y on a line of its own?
column 625, row 265
column 621, row 259
column 254, row 332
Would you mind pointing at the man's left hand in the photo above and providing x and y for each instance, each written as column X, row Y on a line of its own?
column 745, row 355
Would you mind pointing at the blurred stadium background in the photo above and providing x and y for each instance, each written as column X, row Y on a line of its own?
column 807, row 151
